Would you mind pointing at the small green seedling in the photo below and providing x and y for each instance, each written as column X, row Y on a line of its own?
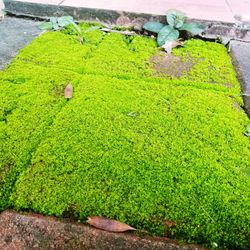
column 57, row 23
column 176, row 21
column 81, row 34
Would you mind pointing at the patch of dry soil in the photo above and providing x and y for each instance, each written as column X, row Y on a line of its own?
column 170, row 65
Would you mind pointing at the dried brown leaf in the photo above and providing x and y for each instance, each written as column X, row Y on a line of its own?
column 68, row 91
column 169, row 223
column 108, row 225
column 169, row 45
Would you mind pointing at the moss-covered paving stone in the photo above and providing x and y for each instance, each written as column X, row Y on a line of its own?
column 30, row 98
column 130, row 145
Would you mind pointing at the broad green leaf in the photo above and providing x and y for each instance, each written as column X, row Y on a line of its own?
column 53, row 20
column 65, row 20
column 175, row 18
column 56, row 26
column 193, row 28
column 153, row 26
column 76, row 27
column 167, row 33
column 46, row 26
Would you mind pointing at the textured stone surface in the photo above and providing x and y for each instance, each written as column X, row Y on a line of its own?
column 240, row 52
column 213, row 10
column 34, row 231
column 231, row 32
column 15, row 33
column 131, row 14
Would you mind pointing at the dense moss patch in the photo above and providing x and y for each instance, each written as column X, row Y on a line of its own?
column 128, row 145
column 30, row 98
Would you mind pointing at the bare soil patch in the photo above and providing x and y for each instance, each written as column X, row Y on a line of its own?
column 170, row 65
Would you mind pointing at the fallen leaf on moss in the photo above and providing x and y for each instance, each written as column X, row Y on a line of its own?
column 108, row 225
column 68, row 91
column 169, row 45
column 169, row 223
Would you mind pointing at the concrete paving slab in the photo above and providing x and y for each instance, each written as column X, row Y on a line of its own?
column 240, row 52
column 110, row 12
column 195, row 9
column 31, row 9
column 15, row 33
column 212, row 10
column 240, row 9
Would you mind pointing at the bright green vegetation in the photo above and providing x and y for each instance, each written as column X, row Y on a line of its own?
column 176, row 22
column 128, row 145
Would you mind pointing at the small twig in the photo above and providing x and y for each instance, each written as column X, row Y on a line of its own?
column 207, row 214
column 127, row 33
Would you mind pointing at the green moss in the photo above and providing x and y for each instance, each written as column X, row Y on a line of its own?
column 142, row 169
column 27, row 110
column 209, row 58
column 122, row 28
column 127, row 58
column 128, row 145
column 59, row 50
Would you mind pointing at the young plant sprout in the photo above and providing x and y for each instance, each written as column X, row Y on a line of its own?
column 168, row 35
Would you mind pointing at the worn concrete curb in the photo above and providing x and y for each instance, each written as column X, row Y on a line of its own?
column 33, row 231
column 240, row 53
column 42, row 11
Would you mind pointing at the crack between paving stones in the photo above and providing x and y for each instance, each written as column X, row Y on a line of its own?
column 61, row 2
column 145, row 79
column 229, row 7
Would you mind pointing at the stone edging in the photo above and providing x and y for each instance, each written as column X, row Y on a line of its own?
column 33, row 231
column 110, row 17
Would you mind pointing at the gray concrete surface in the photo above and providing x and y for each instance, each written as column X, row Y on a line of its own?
column 134, row 13
column 240, row 52
column 213, row 10
column 15, row 33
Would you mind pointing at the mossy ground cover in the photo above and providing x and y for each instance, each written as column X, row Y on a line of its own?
column 129, row 145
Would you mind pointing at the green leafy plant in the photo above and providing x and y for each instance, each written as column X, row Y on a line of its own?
column 57, row 23
column 81, row 33
column 176, row 22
